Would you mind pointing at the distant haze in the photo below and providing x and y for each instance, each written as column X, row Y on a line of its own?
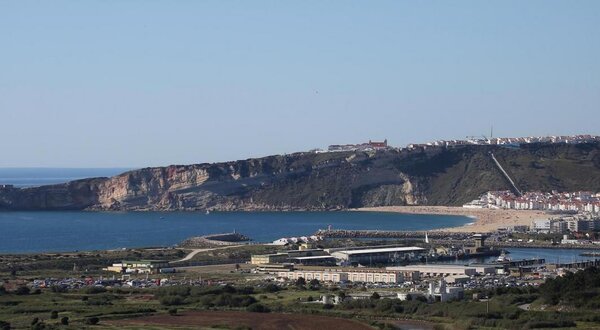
column 149, row 83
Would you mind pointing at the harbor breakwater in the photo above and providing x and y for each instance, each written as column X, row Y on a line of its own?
column 215, row 239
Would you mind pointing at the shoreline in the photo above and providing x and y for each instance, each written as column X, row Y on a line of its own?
column 486, row 220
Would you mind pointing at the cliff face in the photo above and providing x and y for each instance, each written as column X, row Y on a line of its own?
column 308, row 181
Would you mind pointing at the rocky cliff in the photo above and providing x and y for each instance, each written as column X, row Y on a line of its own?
column 326, row 181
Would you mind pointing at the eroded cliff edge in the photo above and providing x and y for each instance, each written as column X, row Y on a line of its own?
column 325, row 181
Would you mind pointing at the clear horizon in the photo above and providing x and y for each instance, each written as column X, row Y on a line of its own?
column 106, row 84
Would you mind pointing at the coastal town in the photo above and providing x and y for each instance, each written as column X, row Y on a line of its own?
column 300, row 165
column 469, row 140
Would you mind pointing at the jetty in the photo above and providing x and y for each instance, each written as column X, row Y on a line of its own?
column 222, row 239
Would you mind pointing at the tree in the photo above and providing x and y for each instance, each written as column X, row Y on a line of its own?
column 54, row 315
column 22, row 290
column 64, row 320
column 271, row 288
column 92, row 320
column 173, row 311
column 375, row 296
column 4, row 325
column 314, row 284
column 35, row 321
column 257, row 308
column 300, row 281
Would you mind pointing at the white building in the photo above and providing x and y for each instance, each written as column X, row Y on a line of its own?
column 542, row 225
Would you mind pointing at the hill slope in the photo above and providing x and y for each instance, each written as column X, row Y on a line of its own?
column 308, row 181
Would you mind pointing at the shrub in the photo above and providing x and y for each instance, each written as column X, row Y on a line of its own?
column 4, row 325
column 271, row 288
column 257, row 308
column 92, row 320
column 172, row 311
column 64, row 320
column 35, row 321
column 22, row 290
column 314, row 283
column 38, row 326
column 59, row 288
column 246, row 290
column 327, row 306
column 300, row 281
column 95, row 290
column 171, row 300
column 54, row 315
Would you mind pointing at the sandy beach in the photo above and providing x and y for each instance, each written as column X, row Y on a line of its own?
column 484, row 220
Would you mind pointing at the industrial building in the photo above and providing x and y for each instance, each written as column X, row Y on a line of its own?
column 321, row 275
column 265, row 259
column 303, row 257
column 314, row 261
column 437, row 269
column 138, row 267
column 379, row 255
column 440, row 292
column 352, row 275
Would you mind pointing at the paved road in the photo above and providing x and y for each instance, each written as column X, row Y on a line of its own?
column 196, row 251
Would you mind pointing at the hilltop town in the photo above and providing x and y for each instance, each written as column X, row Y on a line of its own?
column 469, row 140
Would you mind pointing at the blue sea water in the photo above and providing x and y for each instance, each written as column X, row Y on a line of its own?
column 28, row 177
column 78, row 230
column 60, row 231
column 551, row 255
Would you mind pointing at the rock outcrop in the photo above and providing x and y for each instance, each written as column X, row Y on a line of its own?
column 325, row 181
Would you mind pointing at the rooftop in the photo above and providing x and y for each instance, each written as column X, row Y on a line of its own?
column 153, row 261
column 313, row 257
column 382, row 250
column 431, row 266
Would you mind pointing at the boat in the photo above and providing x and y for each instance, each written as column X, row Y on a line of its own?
column 503, row 257
column 207, row 212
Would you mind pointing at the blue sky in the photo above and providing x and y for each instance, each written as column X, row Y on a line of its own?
column 148, row 83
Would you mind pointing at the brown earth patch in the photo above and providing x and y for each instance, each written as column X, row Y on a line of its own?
column 256, row 321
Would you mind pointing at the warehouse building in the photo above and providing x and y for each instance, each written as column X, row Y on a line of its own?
column 352, row 275
column 138, row 267
column 379, row 255
column 437, row 269
column 321, row 275
column 314, row 261
column 304, row 256
column 265, row 259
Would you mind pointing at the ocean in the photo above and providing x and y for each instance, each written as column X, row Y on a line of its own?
column 30, row 177
column 60, row 231
column 64, row 231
